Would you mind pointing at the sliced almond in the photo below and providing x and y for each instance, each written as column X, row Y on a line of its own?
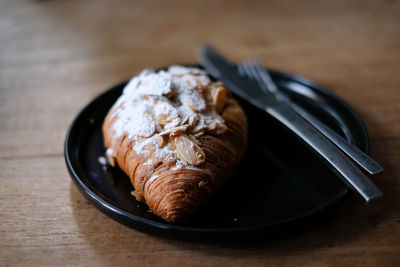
column 198, row 134
column 192, row 138
column 161, row 140
column 171, row 146
column 219, row 98
column 175, row 131
column 193, row 121
column 188, row 151
column 212, row 126
column 199, row 127
column 163, row 119
column 185, row 120
column 221, row 128
column 173, row 124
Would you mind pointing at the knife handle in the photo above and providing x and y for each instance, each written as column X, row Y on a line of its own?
column 349, row 173
column 362, row 159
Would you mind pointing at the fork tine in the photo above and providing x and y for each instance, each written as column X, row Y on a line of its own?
column 243, row 67
column 258, row 64
column 254, row 66
column 255, row 74
column 241, row 70
column 265, row 77
column 248, row 68
column 251, row 70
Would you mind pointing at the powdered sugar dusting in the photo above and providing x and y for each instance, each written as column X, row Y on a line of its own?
column 162, row 103
column 180, row 165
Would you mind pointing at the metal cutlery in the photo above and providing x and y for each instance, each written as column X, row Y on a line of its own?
column 250, row 90
column 254, row 70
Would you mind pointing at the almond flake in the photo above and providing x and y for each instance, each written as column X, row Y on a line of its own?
column 219, row 98
column 188, row 151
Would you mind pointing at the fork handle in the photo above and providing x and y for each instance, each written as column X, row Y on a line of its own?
column 349, row 173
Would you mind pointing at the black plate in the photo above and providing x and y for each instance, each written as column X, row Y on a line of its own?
column 279, row 186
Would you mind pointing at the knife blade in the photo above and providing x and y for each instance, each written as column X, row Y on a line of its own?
column 249, row 90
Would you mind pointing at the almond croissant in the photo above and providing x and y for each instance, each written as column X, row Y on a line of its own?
column 178, row 136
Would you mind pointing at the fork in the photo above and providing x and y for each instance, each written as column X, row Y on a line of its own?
column 254, row 70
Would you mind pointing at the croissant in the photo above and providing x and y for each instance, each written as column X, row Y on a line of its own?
column 178, row 135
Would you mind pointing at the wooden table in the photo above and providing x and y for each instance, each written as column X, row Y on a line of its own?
column 55, row 56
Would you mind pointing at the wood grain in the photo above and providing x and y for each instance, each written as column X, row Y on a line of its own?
column 55, row 56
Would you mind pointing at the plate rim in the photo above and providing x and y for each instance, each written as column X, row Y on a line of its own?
column 130, row 219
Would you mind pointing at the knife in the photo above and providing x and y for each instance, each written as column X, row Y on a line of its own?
column 249, row 90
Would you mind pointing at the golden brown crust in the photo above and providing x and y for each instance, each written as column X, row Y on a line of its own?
column 177, row 192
